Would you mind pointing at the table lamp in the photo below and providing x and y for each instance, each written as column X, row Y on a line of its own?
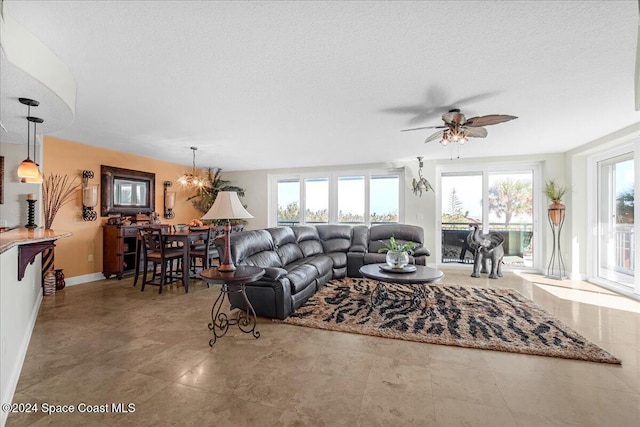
column 227, row 206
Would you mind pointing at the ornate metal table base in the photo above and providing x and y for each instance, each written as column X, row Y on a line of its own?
column 415, row 294
column 220, row 321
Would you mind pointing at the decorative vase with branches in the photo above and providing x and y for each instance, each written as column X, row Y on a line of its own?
column 57, row 191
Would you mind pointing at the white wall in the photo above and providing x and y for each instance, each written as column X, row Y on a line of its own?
column 19, row 304
column 14, row 209
column 576, row 162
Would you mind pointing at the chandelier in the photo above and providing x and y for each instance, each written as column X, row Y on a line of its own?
column 421, row 184
column 192, row 179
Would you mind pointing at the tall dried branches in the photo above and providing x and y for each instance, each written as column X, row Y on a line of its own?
column 57, row 191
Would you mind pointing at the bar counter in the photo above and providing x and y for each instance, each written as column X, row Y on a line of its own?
column 23, row 236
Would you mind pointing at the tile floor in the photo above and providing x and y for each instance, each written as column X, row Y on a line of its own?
column 106, row 342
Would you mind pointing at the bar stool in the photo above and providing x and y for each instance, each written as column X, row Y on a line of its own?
column 155, row 250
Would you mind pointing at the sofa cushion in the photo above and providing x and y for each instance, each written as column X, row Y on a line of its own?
column 380, row 234
column 247, row 243
column 339, row 259
column 359, row 238
column 335, row 237
column 301, row 276
column 308, row 240
column 263, row 259
column 285, row 243
column 322, row 263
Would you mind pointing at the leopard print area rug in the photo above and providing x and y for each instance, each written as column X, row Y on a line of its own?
column 464, row 316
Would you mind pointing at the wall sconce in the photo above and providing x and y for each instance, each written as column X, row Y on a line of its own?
column 89, row 197
column 169, row 200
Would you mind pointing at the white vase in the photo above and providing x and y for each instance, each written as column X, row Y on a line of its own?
column 397, row 259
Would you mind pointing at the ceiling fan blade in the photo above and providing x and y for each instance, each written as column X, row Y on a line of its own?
column 407, row 109
column 437, row 135
column 425, row 127
column 492, row 119
column 475, row 132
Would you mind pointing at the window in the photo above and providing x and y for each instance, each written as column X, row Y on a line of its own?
column 360, row 197
column 288, row 202
column 316, row 192
column 384, row 198
column 498, row 200
column 351, row 199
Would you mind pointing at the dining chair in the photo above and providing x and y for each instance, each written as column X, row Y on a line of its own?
column 155, row 251
column 205, row 252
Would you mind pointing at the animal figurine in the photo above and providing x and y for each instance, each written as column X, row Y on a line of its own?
column 486, row 246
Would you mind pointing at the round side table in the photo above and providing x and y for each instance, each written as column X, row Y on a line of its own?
column 233, row 281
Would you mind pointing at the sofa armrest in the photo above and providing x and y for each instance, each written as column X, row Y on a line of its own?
column 357, row 248
column 273, row 273
column 421, row 251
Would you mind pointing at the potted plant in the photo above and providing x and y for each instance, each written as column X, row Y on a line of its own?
column 397, row 253
column 555, row 193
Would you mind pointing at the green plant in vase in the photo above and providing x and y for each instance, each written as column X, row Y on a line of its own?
column 397, row 253
column 555, row 193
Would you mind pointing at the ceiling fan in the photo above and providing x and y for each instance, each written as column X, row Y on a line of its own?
column 457, row 128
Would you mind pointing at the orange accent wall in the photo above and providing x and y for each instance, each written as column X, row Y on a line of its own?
column 71, row 158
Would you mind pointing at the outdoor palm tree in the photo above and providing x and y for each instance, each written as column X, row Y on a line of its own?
column 510, row 197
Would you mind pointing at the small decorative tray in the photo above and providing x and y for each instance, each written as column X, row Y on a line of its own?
column 406, row 269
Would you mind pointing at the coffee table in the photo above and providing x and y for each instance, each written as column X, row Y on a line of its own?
column 233, row 281
column 416, row 281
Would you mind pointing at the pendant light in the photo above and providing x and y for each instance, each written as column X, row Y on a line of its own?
column 38, row 179
column 28, row 168
column 192, row 179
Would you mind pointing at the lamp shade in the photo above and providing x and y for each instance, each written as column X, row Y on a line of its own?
column 227, row 206
column 170, row 199
column 36, row 180
column 90, row 195
column 28, row 169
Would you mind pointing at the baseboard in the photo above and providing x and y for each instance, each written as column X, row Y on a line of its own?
column 22, row 352
column 85, row 278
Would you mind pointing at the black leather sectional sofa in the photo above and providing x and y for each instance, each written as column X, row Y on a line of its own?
column 300, row 260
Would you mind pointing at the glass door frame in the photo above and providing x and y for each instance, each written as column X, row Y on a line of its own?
column 593, row 249
column 484, row 169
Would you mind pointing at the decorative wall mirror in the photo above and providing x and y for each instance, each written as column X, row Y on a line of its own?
column 126, row 191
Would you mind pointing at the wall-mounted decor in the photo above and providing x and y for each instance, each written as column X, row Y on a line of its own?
column 169, row 198
column 126, row 191
column 89, row 197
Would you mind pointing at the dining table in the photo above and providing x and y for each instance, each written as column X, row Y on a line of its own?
column 184, row 240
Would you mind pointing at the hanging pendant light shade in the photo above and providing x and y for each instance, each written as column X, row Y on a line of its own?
column 38, row 178
column 28, row 168
column 192, row 179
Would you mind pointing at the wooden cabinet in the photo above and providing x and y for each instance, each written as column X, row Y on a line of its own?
column 119, row 244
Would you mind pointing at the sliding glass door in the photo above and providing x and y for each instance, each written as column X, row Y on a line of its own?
column 498, row 200
column 616, row 224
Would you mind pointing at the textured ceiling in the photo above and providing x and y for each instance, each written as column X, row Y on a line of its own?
column 260, row 85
